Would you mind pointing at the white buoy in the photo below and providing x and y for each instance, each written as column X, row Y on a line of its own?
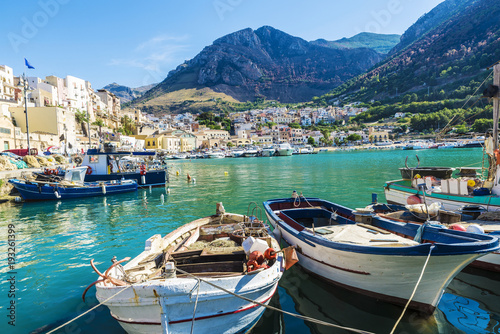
column 168, row 190
column 57, row 194
column 162, row 198
column 143, row 179
column 103, row 186
column 194, row 180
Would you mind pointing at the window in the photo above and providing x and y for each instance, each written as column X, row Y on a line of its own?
column 5, row 145
column 4, row 130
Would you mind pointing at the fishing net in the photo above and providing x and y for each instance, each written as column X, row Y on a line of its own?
column 44, row 162
column 5, row 164
column 31, row 161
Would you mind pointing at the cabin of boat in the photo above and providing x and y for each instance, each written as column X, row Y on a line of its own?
column 107, row 164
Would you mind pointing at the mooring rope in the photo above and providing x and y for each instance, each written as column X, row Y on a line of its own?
column 414, row 290
column 93, row 308
column 320, row 322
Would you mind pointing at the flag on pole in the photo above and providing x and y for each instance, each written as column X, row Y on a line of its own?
column 28, row 64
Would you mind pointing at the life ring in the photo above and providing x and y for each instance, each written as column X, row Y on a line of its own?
column 89, row 170
column 143, row 169
column 46, row 171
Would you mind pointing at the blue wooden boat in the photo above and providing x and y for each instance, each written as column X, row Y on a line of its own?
column 372, row 255
column 71, row 186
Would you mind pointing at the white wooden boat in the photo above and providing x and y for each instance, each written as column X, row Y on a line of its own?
column 161, row 292
column 376, row 257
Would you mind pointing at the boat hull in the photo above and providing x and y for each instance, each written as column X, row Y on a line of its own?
column 154, row 178
column 397, row 193
column 145, row 307
column 284, row 152
column 31, row 192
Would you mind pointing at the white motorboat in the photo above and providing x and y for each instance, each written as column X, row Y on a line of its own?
column 284, row 149
column 268, row 151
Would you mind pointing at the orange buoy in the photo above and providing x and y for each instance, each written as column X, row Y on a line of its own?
column 256, row 256
column 457, row 227
column 270, row 254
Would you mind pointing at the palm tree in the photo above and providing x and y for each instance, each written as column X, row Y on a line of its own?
column 81, row 118
column 100, row 123
column 128, row 125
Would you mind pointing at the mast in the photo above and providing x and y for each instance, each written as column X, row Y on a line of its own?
column 496, row 103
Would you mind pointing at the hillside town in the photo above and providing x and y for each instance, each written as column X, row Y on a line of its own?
column 60, row 112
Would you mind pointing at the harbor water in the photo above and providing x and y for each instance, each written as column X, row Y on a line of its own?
column 54, row 242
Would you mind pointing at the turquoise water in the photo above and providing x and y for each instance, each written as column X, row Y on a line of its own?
column 56, row 240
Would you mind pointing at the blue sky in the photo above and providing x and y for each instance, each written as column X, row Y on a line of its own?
column 136, row 43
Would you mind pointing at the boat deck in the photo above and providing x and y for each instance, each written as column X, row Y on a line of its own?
column 362, row 234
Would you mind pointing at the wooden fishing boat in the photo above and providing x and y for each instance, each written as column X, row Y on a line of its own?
column 203, row 277
column 372, row 255
column 108, row 164
column 70, row 186
column 466, row 188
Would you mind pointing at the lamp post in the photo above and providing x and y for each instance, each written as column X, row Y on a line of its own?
column 23, row 82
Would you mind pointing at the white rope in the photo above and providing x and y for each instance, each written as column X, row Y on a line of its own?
column 93, row 308
column 195, row 305
column 321, row 322
column 414, row 290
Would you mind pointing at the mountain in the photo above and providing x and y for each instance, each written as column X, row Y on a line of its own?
column 266, row 63
column 439, row 14
column 127, row 94
column 379, row 42
column 447, row 48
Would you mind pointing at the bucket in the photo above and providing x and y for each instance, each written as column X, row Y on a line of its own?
column 472, row 210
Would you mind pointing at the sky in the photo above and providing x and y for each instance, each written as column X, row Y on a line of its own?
column 135, row 43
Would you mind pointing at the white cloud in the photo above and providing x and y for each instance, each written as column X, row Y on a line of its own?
column 156, row 56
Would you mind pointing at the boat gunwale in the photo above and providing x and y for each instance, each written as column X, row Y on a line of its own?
column 488, row 243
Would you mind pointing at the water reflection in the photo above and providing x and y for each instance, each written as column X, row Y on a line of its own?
column 318, row 299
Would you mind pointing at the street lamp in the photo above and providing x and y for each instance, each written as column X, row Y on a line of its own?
column 23, row 82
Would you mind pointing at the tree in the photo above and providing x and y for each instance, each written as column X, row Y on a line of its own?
column 482, row 125
column 100, row 123
column 311, row 141
column 337, row 141
column 128, row 126
column 294, row 125
column 353, row 137
column 81, row 118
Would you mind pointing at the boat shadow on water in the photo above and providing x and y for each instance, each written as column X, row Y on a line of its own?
column 317, row 299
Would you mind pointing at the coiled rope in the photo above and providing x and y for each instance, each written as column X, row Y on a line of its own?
column 414, row 290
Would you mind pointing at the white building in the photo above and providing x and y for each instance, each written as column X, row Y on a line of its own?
column 78, row 97
column 7, row 88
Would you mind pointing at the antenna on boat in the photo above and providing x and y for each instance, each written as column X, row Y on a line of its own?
column 423, row 187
